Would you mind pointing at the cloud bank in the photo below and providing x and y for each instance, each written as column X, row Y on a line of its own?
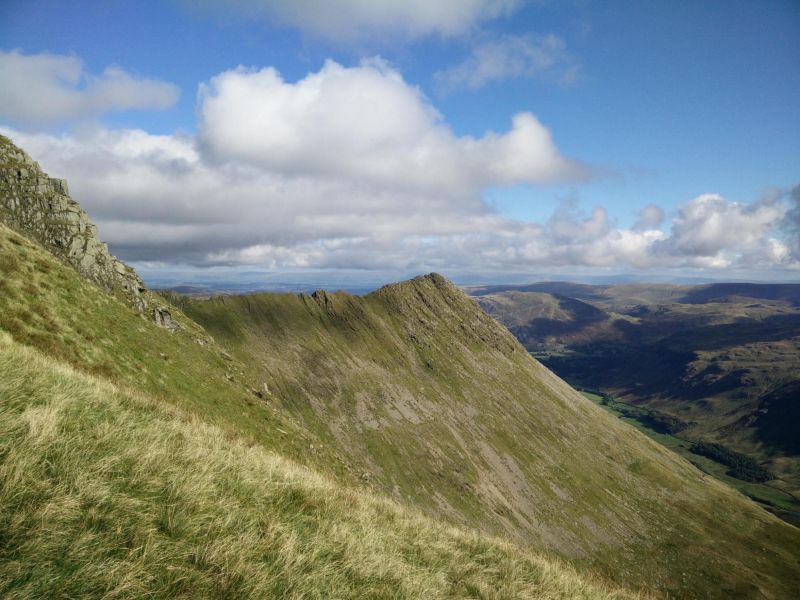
column 46, row 88
column 366, row 123
column 355, row 168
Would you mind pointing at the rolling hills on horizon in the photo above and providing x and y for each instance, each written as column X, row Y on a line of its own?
column 474, row 470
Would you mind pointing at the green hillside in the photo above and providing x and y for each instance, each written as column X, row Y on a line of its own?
column 46, row 304
column 437, row 405
column 415, row 393
column 412, row 393
column 106, row 492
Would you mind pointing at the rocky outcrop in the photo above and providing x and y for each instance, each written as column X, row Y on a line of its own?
column 40, row 208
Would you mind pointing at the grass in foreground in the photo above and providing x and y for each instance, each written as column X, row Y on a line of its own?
column 106, row 493
column 49, row 306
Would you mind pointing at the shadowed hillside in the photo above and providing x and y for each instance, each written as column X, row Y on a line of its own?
column 719, row 292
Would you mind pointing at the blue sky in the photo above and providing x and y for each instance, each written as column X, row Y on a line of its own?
column 688, row 106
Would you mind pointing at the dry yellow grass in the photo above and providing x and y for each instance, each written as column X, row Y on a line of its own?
column 106, row 493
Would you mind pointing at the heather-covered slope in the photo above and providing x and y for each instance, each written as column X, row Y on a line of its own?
column 438, row 405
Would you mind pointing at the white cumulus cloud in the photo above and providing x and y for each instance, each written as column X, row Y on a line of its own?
column 158, row 198
column 366, row 123
column 355, row 168
column 710, row 230
column 42, row 88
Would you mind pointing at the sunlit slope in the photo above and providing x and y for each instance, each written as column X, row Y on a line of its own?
column 438, row 405
column 48, row 305
column 108, row 493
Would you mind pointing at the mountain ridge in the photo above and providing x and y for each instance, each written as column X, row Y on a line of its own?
column 446, row 390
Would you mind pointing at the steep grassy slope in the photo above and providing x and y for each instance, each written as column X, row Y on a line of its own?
column 440, row 407
column 47, row 305
column 108, row 493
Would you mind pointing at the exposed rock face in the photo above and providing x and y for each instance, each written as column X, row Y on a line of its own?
column 163, row 318
column 40, row 208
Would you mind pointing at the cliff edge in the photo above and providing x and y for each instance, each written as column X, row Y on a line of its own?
column 40, row 208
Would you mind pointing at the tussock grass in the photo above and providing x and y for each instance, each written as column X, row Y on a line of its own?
column 48, row 305
column 107, row 493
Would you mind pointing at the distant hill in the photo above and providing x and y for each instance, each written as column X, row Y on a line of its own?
column 561, row 288
column 720, row 292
